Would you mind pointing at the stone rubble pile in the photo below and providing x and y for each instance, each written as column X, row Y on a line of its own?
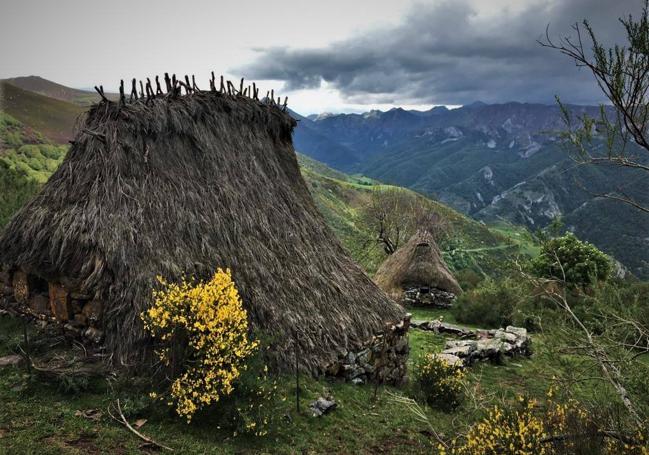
column 382, row 359
column 438, row 326
column 492, row 345
column 475, row 344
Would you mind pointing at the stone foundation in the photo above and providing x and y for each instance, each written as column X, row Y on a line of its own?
column 382, row 359
column 426, row 296
column 31, row 296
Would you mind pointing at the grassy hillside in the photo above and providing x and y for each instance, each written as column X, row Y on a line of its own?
column 27, row 160
column 470, row 246
column 51, row 89
column 53, row 118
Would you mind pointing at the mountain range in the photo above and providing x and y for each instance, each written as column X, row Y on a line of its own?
column 492, row 162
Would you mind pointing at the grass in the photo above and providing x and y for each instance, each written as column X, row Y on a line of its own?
column 39, row 416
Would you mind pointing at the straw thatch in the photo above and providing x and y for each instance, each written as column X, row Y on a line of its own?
column 418, row 263
column 172, row 185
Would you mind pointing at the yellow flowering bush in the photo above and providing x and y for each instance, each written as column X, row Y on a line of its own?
column 208, row 320
column 441, row 383
column 506, row 431
column 529, row 429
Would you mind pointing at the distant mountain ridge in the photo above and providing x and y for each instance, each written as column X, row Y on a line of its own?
column 52, row 117
column 493, row 162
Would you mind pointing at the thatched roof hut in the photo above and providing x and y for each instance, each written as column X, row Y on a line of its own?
column 417, row 264
column 180, row 185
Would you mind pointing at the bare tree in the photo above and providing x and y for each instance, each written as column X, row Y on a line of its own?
column 395, row 214
column 622, row 73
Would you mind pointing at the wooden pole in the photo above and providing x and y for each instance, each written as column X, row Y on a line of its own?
column 297, row 372
column 28, row 357
column 122, row 98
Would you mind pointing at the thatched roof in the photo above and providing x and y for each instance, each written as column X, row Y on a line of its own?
column 172, row 185
column 417, row 263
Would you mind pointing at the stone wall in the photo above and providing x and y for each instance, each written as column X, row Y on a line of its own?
column 426, row 296
column 79, row 314
column 381, row 359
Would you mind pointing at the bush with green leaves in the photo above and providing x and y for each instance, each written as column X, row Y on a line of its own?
column 491, row 304
column 569, row 260
column 440, row 383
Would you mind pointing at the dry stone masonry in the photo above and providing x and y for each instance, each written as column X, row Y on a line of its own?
column 429, row 297
column 79, row 314
column 382, row 359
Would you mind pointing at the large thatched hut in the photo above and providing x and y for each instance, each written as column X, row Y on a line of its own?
column 416, row 273
column 177, row 185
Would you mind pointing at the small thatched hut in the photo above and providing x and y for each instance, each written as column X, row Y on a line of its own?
column 180, row 185
column 416, row 273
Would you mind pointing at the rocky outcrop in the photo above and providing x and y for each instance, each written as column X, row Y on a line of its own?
column 382, row 359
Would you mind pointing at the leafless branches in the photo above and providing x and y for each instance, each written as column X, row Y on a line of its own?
column 122, row 420
column 622, row 74
column 394, row 215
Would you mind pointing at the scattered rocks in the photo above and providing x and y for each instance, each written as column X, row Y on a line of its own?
column 461, row 349
column 322, row 406
column 451, row 359
column 11, row 360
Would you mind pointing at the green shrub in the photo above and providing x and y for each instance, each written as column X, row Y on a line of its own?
column 440, row 383
column 572, row 261
column 469, row 279
column 252, row 409
column 491, row 304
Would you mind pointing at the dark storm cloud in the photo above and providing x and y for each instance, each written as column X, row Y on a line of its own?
column 445, row 53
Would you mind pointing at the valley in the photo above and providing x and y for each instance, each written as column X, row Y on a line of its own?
column 501, row 162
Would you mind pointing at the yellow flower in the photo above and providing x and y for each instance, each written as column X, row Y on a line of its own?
column 212, row 318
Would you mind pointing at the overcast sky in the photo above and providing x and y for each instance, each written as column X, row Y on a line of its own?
column 333, row 55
